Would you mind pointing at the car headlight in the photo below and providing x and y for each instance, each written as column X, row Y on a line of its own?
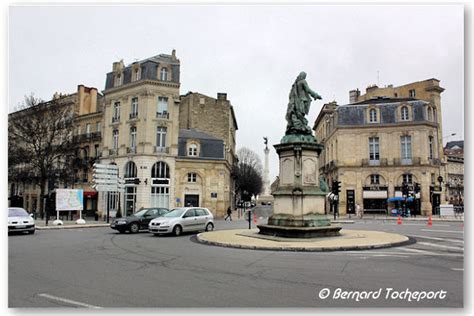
column 121, row 222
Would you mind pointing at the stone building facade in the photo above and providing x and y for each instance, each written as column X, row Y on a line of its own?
column 454, row 153
column 379, row 141
column 164, row 145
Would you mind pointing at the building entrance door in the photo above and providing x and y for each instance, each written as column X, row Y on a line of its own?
column 191, row 200
column 350, row 204
column 435, row 202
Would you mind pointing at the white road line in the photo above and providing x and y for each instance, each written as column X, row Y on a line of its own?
column 443, row 231
column 440, row 246
column 441, row 239
column 67, row 301
column 418, row 251
column 457, row 269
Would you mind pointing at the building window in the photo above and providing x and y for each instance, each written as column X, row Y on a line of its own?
column 406, row 147
column 374, row 179
column 133, row 137
column 373, row 116
column 396, row 95
column 130, row 199
column 134, row 109
column 162, row 106
column 430, row 144
column 160, row 185
column 192, row 150
column 407, row 178
column 115, row 141
column 412, row 93
column 374, row 153
column 430, row 114
column 130, row 170
column 137, row 74
column 164, row 74
column 88, row 129
column 192, row 177
column 118, row 80
column 116, row 114
column 97, row 127
column 404, row 113
column 161, row 137
column 96, row 150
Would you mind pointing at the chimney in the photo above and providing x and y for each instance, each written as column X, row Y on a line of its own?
column 354, row 96
column 222, row 96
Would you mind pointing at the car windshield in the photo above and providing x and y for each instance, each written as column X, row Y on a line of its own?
column 141, row 213
column 177, row 212
column 17, row 212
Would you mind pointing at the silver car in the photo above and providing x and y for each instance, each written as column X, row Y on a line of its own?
column 20, row 221
column 184, row 219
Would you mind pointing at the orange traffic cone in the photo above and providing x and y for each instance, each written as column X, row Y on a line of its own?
column 399, row 221
column 254, row 218
column 430, row 222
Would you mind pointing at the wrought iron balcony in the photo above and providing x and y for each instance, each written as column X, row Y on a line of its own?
column 163, row 115
column 133, row 115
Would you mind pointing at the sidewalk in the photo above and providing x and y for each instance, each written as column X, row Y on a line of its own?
column 434, row 218
column 68, row 224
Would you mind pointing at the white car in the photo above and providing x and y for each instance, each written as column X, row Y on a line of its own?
column 20, row 221
column 184, row 219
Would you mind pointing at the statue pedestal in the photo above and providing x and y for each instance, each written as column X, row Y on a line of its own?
column 298, row 209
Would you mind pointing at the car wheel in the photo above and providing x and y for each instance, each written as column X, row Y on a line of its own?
column 134, row 228
column 177, row 230
column 209, row 227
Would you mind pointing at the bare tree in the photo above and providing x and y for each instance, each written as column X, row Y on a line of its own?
column 248, row 173
column 40, row 144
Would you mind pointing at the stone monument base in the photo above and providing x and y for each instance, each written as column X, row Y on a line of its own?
column 299, row 232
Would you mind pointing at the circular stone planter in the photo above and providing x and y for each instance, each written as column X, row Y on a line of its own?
column 348, row 240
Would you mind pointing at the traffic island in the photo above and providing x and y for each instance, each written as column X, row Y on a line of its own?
column 347, row 240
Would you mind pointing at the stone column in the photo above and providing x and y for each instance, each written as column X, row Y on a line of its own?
column 266, row 181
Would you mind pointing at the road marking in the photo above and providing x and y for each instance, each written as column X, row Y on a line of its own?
column 441, row 239
column 67, row 301
column 418, row 251
column 440, row 246
column 457, row 269
column 443, row 231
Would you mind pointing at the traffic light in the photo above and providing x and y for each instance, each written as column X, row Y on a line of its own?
column 405, row 189
column 417, row 188
column 336, row 187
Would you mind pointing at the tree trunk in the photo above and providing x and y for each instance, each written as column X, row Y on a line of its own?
column 42, row 205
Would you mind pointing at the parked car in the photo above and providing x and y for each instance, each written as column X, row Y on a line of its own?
column 184, row 219
column 20, row 221
column 138, row 221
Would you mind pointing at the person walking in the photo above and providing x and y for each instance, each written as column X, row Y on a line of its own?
column 229, row 214
column 359, row 211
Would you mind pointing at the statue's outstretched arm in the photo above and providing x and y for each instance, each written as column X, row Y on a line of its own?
column 311, row 92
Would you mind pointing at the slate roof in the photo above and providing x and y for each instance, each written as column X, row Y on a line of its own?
column 192, row 133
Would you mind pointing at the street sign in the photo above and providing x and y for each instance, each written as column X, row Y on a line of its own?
column 105, row 181
column 105, row 176
column 105, row 187
column 105, row 171
column 102, row 166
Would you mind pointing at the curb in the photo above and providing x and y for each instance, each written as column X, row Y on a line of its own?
column 70, row 226
column 303, row 249
column 343, row 221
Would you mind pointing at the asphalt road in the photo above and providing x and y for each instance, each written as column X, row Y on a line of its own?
column 99, row 268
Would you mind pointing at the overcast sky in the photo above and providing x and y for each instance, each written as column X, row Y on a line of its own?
column 251, row 52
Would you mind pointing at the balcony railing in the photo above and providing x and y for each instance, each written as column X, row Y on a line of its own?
column 163, row 115
column 131, row 150
column 164, row 150
column 115, row 119
column 407, row 161
column 133, row 115
column 113, row 152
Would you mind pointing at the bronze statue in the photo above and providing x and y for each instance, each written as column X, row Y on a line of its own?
column 298, row 107
column 265, row 141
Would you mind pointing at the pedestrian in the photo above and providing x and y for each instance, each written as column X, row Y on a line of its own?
column 359, row 211
column 229, row 214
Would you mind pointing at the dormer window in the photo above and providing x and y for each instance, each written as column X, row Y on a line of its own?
column 137, row 75
column 164, row 74
column 404, row 113
column 373, row 116
column 412, row 93
column 192, row 150
column 118, row 80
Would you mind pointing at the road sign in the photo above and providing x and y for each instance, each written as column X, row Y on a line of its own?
column 105, row 187
column 105, row 176
column 105, row 181
column 105, row 171
column 102, row 166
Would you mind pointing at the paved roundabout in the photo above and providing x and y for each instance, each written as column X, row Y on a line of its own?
column 348, row 240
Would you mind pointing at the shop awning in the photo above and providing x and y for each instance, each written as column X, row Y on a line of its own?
column 90, row 194
column 399, row 198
